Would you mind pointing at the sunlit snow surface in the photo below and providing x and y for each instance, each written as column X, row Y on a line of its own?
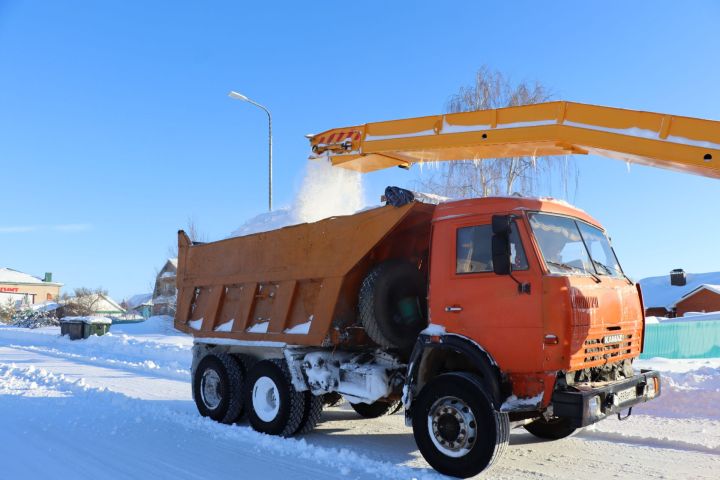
column 120, row 406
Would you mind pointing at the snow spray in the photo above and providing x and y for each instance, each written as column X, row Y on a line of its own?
column 327, row 191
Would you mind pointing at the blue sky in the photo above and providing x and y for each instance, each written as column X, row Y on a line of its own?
column 115, row 125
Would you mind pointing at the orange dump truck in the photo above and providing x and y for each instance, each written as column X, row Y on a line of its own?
column 476, row 315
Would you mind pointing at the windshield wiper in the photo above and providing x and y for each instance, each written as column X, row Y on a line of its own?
column 571, row 268
column 603, row 266
column 561, row 265
column 610, row 271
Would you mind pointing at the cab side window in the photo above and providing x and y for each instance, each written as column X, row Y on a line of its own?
column 474, row 250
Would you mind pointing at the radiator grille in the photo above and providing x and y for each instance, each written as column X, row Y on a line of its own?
column 597, row 351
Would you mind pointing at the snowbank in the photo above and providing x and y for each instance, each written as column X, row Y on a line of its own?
column 156, row 353
column 690, row 388
column 159, row 325
column 90, row 320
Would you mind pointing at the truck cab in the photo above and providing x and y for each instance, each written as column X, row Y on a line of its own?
column 529, row 295
column 565, row 305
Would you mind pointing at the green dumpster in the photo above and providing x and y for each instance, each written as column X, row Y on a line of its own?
column 82, row 327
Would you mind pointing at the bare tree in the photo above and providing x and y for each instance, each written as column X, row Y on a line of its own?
column 505, row 176
column 195, row 234
column 83, row 302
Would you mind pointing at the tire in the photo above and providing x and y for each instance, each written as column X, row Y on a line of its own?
column 553, row 429
column 274, row 406
column 393, row 304
column 312, row 413
column 455, row 426
column 332, row 399
column 217, row 388
column 376, row 409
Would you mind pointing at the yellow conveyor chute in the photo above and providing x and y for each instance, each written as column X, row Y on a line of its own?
column 685, row 144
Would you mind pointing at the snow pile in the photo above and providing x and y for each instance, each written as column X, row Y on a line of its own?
column 689, row 317
column 326, row 191
column 95, row 420
column 160, row 325
column 697, row 317
column 89, row 320
column 690, row 388
column 265, row 222
column 168, row 355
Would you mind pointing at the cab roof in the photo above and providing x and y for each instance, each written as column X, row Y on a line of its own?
column 498, row 205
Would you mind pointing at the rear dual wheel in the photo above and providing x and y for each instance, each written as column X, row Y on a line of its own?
column 217, row 387
column 223, row 392
column 274, row 406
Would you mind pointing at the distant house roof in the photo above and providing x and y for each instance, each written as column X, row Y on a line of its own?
column 9, row 275
column 104, row 304
column 657, row 291
column 139, row 300
column 173, row 261
column 705, row 286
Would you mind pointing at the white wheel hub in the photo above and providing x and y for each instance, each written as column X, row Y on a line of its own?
column 266, row 399
column 452, row 426
column 210, row 389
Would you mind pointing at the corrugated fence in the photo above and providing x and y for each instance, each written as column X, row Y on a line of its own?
column 682, row 340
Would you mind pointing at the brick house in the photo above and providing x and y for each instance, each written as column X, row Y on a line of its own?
column 21, row 288
column 662, row 294
column 705, row 298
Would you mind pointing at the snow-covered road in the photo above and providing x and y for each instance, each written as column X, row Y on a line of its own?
column 120, row 407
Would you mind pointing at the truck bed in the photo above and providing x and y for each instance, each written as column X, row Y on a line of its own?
column 296, row 285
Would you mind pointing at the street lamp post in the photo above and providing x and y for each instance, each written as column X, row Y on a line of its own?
column 240, row 96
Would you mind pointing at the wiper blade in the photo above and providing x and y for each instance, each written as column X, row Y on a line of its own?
column 573, row 269
column 561, row 265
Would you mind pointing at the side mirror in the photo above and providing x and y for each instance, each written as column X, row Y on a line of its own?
column 501, row 225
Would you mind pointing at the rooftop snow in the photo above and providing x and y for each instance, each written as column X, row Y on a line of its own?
column 657, row 291
column 8, row 275
column 139, row 299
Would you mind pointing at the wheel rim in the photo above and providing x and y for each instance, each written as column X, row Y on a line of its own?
column 266, row 399
column 452, row 426
column 210, row 389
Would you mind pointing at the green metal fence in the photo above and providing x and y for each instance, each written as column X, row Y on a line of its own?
column 682, row 340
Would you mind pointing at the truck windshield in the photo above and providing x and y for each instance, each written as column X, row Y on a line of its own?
column 571, row 246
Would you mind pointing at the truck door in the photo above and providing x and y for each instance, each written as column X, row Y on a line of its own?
column 469, row 299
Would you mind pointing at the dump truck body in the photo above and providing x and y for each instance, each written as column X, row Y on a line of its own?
column 297, row 285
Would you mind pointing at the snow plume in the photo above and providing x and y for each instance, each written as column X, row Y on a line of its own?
column 327, row 191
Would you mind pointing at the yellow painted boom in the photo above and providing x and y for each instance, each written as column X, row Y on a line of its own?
column 685, row 144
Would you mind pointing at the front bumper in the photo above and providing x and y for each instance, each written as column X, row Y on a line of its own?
column 585, row 405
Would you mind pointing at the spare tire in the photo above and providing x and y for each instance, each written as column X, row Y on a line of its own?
column 393, row 304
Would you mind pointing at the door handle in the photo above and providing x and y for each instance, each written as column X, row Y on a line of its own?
column 453, row 309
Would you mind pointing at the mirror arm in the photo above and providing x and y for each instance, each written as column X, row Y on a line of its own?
column 523, row 287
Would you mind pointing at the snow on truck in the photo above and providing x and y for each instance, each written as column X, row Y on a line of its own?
column 476, row 315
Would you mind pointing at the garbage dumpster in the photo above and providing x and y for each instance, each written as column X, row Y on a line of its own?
column 82, row 327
